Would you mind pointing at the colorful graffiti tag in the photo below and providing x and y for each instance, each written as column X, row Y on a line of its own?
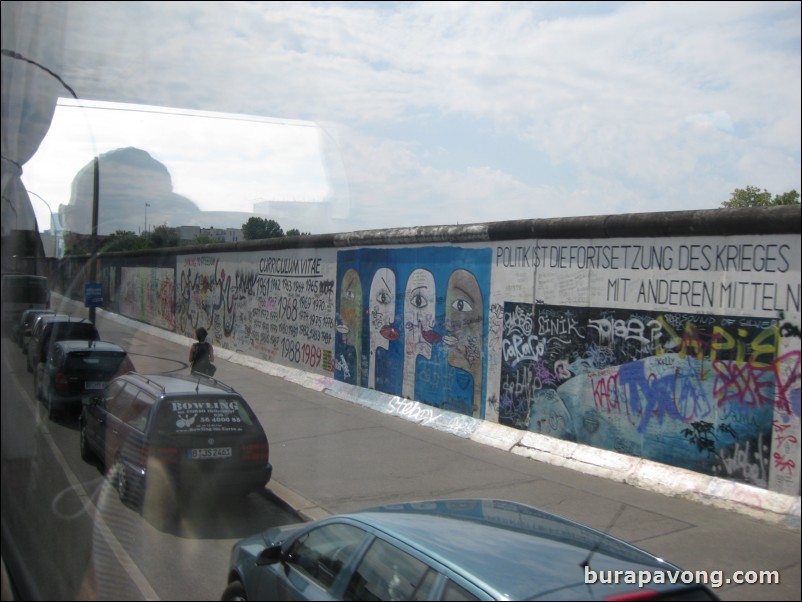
column 673, row 350
column 148, row 295
column 279, row 307
column 687, row 390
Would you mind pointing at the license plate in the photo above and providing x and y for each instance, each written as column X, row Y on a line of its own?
column 94, row 384
column 209, row 453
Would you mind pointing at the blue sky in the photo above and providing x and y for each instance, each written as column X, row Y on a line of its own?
column 452, row 112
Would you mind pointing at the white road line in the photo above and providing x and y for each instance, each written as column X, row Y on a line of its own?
column 125, row 560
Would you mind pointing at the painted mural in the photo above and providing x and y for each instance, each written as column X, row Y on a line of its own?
column 148, row 295
column 278, row 305
column 682, row 352
column 412, row 322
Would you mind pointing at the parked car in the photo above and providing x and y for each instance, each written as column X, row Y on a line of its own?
column 469, row 549
column 36, row 325
column 22, row 330
column 75, row 369
column 169, row 440
column 59, row 327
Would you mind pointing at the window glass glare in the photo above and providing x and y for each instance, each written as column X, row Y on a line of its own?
column 456, row 592
column 322, row 553
column 387, row 573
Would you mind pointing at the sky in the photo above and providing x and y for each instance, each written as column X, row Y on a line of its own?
column 404, row 114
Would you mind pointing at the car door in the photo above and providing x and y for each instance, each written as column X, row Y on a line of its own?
column 36, row 324
column 317, row 564
column 118, row 430
column 95, row 418
column 41, row 343
column 47, row 370
column 36, row 331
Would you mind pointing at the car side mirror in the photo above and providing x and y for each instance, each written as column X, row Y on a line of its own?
column 270, row 555
column 91, row 401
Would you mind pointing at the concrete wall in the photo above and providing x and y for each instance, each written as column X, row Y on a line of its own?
column 672, row 337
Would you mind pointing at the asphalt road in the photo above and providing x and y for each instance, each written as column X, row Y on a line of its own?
column 68, row 536
column 331, row 455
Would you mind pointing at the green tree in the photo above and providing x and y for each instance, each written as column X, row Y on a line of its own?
column 297, row 232
column 123, row 240
column 162, row 237
column 787, row 198
column 752, row 196
column 259, row 227
column 203, row 239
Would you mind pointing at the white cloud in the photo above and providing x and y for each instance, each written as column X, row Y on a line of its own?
column 646, row 105
column 719, row 120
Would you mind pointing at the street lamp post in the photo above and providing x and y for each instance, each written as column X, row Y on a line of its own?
column 146, row 217
column 95, row 245
column 52, row 222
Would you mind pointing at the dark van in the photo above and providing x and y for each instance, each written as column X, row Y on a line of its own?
column 174, row 440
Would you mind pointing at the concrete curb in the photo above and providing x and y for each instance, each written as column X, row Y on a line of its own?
column 306, row 510
column 667, row 480
column 728, row 495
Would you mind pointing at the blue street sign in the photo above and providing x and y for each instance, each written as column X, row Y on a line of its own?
column 93, row 294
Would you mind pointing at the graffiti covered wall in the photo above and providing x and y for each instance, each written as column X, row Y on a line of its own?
column 682, row 351
column 277, row 305
column 148, row 295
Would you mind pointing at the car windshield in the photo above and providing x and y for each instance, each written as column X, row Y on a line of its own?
column 569, row 232
column 65, row 331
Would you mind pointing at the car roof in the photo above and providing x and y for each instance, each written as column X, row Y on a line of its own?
column 66, row 318
column 29, row 315
column 43, row 319
column 15, row 276
column 84, row 345
column 508, row 549
column 30, row 311
column 62, row 322
column 49, row 318
column 179, row 384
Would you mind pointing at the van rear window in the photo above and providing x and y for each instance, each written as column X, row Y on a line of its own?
column 78, row 331
column 104, row 362
column 204, row 415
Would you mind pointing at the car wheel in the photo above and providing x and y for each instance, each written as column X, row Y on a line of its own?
column 234, row 591
column 86, row 453
column 37, row 390
column 51, row 408
column 122, row 481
